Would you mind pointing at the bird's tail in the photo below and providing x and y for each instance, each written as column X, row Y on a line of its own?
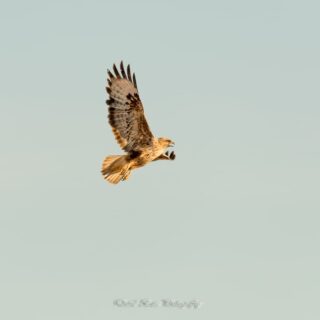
column 115, row 168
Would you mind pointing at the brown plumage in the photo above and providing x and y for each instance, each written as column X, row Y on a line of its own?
column 130, row 128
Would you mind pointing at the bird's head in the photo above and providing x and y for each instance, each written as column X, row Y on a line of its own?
column 165, row 142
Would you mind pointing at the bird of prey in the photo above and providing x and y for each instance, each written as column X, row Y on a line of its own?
column 130, row 128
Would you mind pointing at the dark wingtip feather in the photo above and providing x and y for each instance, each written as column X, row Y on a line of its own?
column 116, row 72
column 135, row 81
column 123, row 73
column 111, row 76
column 129, row 73
column 110, row 101
column 108, row 90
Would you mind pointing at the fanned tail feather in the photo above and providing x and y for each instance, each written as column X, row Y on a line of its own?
column 115, row 168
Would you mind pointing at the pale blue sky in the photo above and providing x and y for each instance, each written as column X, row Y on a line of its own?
column 233, row 222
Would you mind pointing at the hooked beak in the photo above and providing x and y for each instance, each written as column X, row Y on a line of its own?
column 171, row 144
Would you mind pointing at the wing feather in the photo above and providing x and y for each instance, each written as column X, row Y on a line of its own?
column 111, row 76
column 129, row 73
column 116, row 72
column 135, row 81
column 126, row 114
column 123, row 73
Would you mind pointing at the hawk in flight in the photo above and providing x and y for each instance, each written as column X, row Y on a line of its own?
column 130, row 128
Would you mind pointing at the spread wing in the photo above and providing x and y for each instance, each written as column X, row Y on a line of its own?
column 126, row 115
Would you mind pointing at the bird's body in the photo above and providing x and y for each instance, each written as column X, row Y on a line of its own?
column 131, row 130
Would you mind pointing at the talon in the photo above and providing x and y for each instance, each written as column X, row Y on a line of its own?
column 172, row 155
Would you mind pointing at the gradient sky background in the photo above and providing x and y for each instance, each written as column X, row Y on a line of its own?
column 233, row 222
